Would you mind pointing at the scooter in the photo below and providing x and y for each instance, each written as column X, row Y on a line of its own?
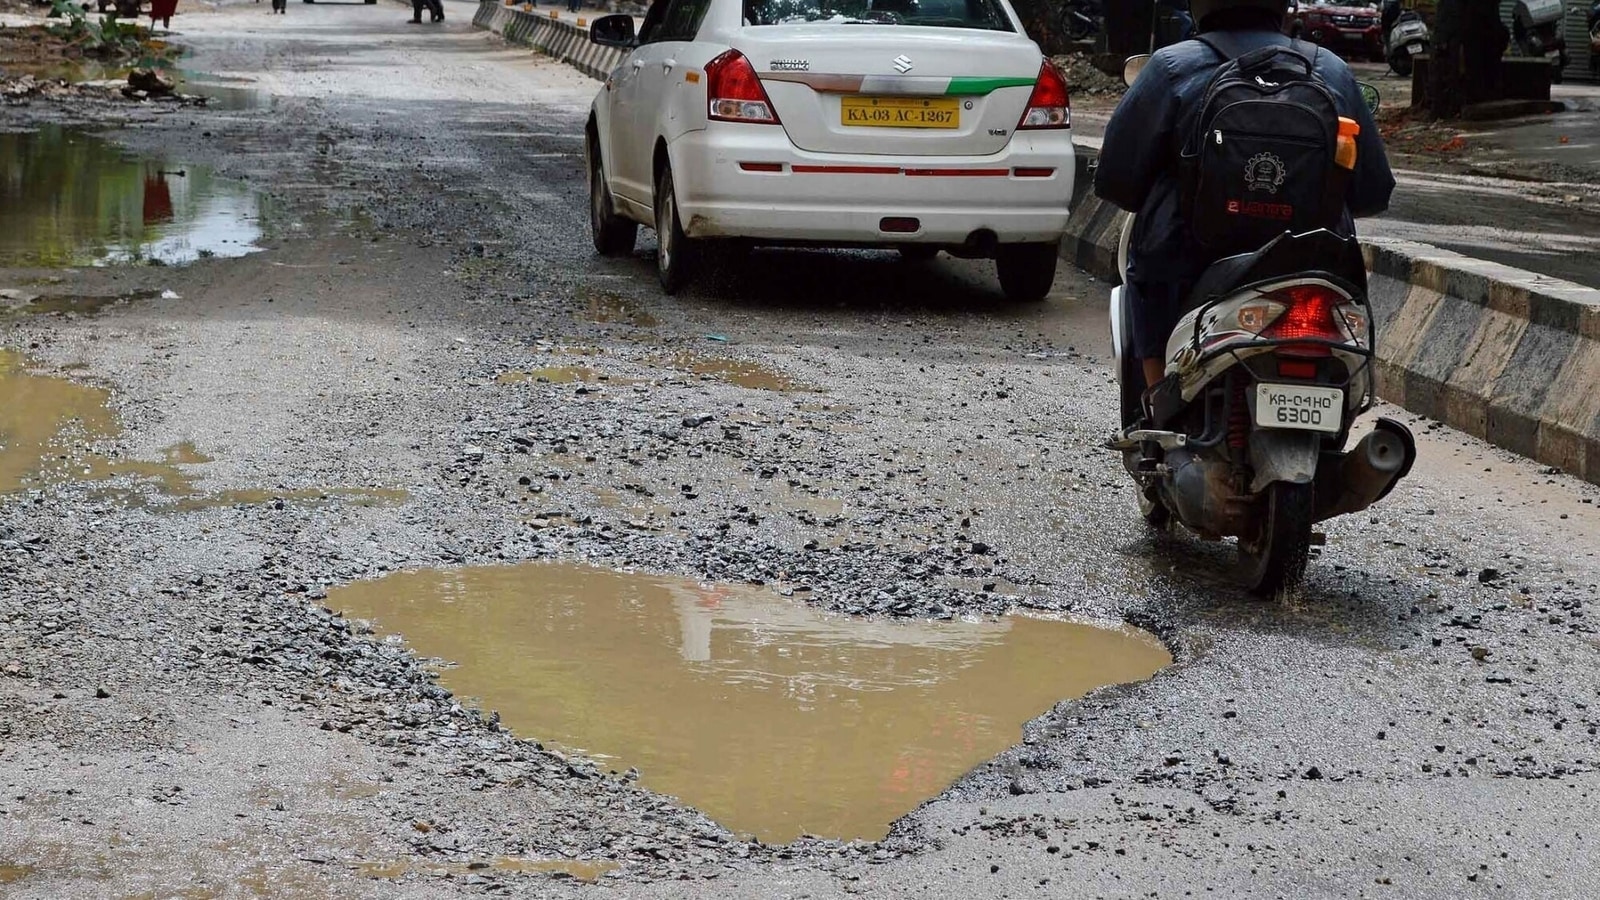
column 1536, row 28
column 1266, row 373
column 1408, row 37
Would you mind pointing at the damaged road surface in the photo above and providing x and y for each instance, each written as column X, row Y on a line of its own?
column 398, row 546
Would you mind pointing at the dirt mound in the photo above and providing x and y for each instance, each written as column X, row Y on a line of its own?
column 1084, row 78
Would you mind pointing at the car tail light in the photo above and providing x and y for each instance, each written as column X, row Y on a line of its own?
column 736, row 92
column 1049, row 107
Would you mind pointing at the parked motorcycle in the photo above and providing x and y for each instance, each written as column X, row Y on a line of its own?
column 1081, row 19
column 1536, row 28
column 1266, row 373
column 1408, row 37
column 1594, row 42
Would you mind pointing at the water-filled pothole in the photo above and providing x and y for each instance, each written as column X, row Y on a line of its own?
column 739, row 373
column 48, row 426
column 773, row 717
column 72, row 199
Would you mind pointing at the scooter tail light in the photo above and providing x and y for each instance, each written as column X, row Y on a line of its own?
column 735, row 91
column 1309, row 314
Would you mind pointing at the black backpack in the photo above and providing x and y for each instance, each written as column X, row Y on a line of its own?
column 1260, row 158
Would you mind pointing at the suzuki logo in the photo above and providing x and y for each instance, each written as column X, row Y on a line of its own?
column 902, row 64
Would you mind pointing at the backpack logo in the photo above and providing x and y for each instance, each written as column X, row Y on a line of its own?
column 1265, row 172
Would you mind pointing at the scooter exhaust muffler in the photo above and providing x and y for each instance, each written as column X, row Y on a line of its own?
column 1370, row 470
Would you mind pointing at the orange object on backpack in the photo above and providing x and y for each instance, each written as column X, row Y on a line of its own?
column 1344, row 155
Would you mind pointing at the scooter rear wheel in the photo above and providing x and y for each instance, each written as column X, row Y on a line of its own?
column 1275, row 559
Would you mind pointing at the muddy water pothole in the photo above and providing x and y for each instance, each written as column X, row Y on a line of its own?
column 72, row 199
column 738, row 373
column 48, row 424
column 773, row 717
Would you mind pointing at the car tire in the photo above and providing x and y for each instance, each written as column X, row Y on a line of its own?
column 613, row 235
column 1027, row 271
column 677, row 253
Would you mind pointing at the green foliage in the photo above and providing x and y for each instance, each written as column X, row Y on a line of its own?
column 106, row 36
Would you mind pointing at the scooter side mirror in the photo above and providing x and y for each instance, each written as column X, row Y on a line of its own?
column 1132, row 68
column 1369, row 95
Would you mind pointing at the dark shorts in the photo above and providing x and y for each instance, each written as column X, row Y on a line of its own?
column 1155, row 308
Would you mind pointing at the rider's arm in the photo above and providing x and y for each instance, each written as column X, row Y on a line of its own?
column 1138, row 141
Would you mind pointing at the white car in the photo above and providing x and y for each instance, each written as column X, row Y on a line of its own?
column 921, row 125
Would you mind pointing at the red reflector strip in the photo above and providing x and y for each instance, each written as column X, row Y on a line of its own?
column 900, row 225
column 761, row 167
column 1297, row 369
column 1035, row 172
column 958, row 173
column 846, row 170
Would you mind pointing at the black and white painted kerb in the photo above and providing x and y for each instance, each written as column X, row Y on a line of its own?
column 553, row 37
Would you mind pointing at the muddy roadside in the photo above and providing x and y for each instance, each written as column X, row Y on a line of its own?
column 422, row 315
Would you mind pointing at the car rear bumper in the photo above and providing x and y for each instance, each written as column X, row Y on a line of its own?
column 748, row 181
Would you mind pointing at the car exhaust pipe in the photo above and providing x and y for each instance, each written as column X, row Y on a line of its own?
column 1368, row 472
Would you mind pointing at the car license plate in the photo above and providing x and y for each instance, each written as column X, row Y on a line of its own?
column 1413, row 49
column 1301, row 407
column 900, row 112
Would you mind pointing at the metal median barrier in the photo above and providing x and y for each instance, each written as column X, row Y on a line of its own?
column 544, row 31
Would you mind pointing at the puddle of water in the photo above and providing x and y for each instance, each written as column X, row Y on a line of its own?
column 581, row 869
column 223, row 93
column 43, row 423
column 47, row 424
column 68, row 304
column 736, row 372
column 771, row 716
column 11, row 872
column 607, row 308
column 72, row 199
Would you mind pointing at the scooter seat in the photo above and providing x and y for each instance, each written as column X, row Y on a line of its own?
column 1288, row 254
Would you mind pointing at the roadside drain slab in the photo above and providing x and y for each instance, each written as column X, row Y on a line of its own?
column 774, row 718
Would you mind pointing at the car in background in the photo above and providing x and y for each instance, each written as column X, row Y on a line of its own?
column 1352, row 31
column 918, row 125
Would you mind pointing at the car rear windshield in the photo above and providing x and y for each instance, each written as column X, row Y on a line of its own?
column 987, row 15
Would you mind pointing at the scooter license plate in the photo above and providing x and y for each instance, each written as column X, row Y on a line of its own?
column 1299, row 407
column 1413, row 49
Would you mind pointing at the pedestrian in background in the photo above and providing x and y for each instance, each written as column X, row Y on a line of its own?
column 163, row 10
column 574, row 5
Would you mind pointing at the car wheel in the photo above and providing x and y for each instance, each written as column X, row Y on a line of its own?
column 1026, row 271
column 675, row 260
column 613, row 235
column 917, row 253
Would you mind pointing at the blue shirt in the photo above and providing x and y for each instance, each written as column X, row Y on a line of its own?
column 1139, row 158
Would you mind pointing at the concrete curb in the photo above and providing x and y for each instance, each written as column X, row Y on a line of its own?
column 1502, row 354
column 551, row 36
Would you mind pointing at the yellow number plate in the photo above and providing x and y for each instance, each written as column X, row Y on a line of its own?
column 900, row 112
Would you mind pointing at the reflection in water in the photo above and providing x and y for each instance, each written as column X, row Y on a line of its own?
column 772, row 717
column 72, row 199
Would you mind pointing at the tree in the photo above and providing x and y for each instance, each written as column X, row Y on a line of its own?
column 1468, row 41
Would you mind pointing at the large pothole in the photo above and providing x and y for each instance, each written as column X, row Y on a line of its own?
column 771, row 716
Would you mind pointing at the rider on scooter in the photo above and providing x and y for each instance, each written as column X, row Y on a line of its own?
column 1139, row 160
